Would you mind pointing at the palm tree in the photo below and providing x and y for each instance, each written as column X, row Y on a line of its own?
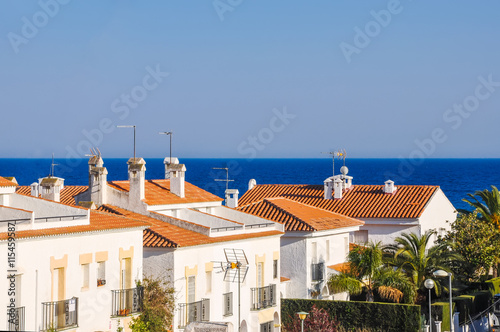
column 410, row 255
column 489, row 208
column 366, row 270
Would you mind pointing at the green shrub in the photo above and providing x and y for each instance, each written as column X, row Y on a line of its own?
column 353, row 316
column 494, row 286
column 441, row 310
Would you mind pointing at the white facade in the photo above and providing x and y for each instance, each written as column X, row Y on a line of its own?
column 64, row 265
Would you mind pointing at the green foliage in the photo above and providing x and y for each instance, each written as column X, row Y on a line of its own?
column 487, row 205
column 441, row 310
column 158, row 306
column 355, row 316
column 494, row 286
column 317, row 320
column 472, row 304
column 477, row 241
column 367, row 272
column 410, row 254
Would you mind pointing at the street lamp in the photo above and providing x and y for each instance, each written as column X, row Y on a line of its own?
column 443, row 274
column 169, row 133
column 429, row 284
column 302, row 316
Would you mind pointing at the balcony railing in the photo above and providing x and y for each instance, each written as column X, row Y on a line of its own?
column 125, row 302
column 228, row 304
column 263, row 297
column 194, row 312
column 317, row 271
column 15, row 319
column 60, row 314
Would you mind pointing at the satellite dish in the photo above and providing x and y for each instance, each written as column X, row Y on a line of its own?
column 344, row 170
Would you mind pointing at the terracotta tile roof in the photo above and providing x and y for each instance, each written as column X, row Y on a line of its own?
column 283, row 279
column 99, row 221
column 67, row 194
column 161, row 234
column 6, row 183
column 157, row 192
column 341, row 267
column 360, row 201
column 297, row 216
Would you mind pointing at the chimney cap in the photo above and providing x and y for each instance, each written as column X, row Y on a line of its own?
column 166, row 161
column 136, row 161
column 177, row 167
column 51, row 181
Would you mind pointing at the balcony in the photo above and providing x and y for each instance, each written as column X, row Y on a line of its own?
column 228, row 304
column 15, row 319
column 125, row 302
column 194, row 312
column 263, row 297
column 60, row 314
column 317, row 272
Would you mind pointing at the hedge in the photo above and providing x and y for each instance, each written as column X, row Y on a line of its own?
column 494, row 286
column 441, row 310
column 387, row 317
column 472, row 304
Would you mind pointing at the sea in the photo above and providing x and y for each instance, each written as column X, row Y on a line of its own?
column 456, row 177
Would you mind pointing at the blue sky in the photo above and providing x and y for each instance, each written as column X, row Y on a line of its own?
column 250, row 79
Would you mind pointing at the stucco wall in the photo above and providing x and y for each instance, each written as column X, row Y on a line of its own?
column 438, row 212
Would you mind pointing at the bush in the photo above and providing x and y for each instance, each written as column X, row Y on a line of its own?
column 494, row 286
column 441, row 310
column 354, row 316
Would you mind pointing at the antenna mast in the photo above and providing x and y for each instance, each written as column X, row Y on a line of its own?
column 52, row 167
column 227, row 176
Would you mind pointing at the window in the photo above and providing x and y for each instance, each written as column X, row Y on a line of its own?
column 360, row 237
column 209, row 281
column 275, row 268
column 191, row 289
column 260, row 274
column 85, row 275
column 228, row 304
column 266, row 327
column 101, row 274
column 314, row 249
column 346, row 245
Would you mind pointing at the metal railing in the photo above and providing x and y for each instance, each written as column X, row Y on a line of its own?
column 60, row 218
column 60, row 314
column 260, row 225
column 317, row 271
column 228, row 304
column 224, row 229
column 194, row 312
column 125, row 302
column 15, row 319
column 263, row 297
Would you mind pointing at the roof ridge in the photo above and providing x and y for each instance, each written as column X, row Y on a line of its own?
column 290, row 214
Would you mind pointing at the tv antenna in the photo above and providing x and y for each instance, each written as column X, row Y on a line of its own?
column 227, row 176
column 52, row 164
column 169, row 133
column 339, row 154
column 235, row 270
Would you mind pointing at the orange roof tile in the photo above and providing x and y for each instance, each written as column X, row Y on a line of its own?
column 157, row 192
column 360, row 201
column 297, row 216
column 67, row 194
column 341, row 267
column 7, row 183
column 283, row 279
column 164, row 235
column 99, row 221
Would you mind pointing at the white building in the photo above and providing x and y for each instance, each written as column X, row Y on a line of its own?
column 190, row 230
column 67, row 267
column 387, row 210
column 315, row 244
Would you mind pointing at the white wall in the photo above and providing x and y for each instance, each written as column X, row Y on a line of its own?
column 95, row 303
column 438, row 211
column 197, row 257
column 381, row 230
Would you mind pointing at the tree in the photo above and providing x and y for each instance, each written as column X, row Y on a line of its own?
column 477, row 241
column 489, row 209
column 366, row 270
column 158, row 306
column 317, row 320
column 411, row 254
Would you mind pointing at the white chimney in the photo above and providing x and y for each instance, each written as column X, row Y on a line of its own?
column 328, row 183
column 136, row 177
column 177, row 174
column 389, row 187
column 51, row 187
column 34, row 189
column 169, row 161
column 232, row 198
column 98, row 181
column 252, row 183
column 338, row 186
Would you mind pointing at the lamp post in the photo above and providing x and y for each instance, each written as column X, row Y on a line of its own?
column 302, row 316
column 169, row 133
column 429, row 284
column 443, row 274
